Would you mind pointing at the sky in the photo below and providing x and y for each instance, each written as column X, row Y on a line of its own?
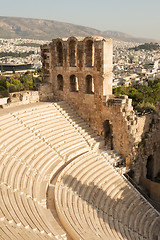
column 139, row 18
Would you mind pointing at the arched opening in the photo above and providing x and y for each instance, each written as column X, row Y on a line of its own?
column 59, row 48
column 60, row 82
column 108, row 134
column 73, row 83
column 98, row 58
column 150, row 167
column 72, row 53
column 89, row 53
column 8, row 100
column 89, row 84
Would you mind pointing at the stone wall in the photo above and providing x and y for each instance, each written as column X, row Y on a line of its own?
column 81, row 65
column 19, row 98
column 3, row 101
column 79, row 71
column 149, row 150
column 153, row 188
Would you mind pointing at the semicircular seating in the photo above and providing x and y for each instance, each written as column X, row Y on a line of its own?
column 93, row 201
column 91, row 195
column 35, row 142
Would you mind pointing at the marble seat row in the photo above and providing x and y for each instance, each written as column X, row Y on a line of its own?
column 91, row 195
column 79, row 124
column 27, row 162
column 11, row 231
column 19, row 198
column 92, row 200
column 48, row 134
column 64, row 110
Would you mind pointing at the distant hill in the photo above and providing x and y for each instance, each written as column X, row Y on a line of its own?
column 125, row 37
column 13, row 27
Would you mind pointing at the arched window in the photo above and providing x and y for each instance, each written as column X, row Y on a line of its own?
column 73, row 83
column 89, row 53
column 89, row 84
column 98, row 59
column 72, row 53
column 60, row 82
column 59, row 49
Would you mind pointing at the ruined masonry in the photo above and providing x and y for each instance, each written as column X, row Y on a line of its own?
column 79, row 71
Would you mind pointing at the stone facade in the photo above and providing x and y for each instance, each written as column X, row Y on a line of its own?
column 79, row 71
column 79, row 65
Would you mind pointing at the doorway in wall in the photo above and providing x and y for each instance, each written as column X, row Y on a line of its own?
column 108, row 134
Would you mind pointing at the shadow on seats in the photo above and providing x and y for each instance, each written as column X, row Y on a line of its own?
column 121, row 218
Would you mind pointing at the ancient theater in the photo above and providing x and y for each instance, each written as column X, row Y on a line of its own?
column 70, row 155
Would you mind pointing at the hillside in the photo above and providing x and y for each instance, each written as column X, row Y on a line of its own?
column 13, row 27
column 147, row 46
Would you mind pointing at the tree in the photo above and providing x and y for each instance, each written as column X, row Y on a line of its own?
column 144, row 98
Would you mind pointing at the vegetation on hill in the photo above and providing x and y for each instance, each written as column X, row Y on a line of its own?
column 19, row 82
column 29, row 44
column 147, row 46
column 144, row 98
column 14, row 54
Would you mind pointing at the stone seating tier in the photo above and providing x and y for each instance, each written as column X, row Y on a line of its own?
column 92, row 200
column 89, row 186
column 27, row 163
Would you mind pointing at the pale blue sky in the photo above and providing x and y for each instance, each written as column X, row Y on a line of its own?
column 140, row 18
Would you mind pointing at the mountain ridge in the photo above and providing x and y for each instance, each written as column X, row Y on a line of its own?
column 42, row 29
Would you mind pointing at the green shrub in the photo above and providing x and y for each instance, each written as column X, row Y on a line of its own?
column 145, row 107
column 144, row 98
